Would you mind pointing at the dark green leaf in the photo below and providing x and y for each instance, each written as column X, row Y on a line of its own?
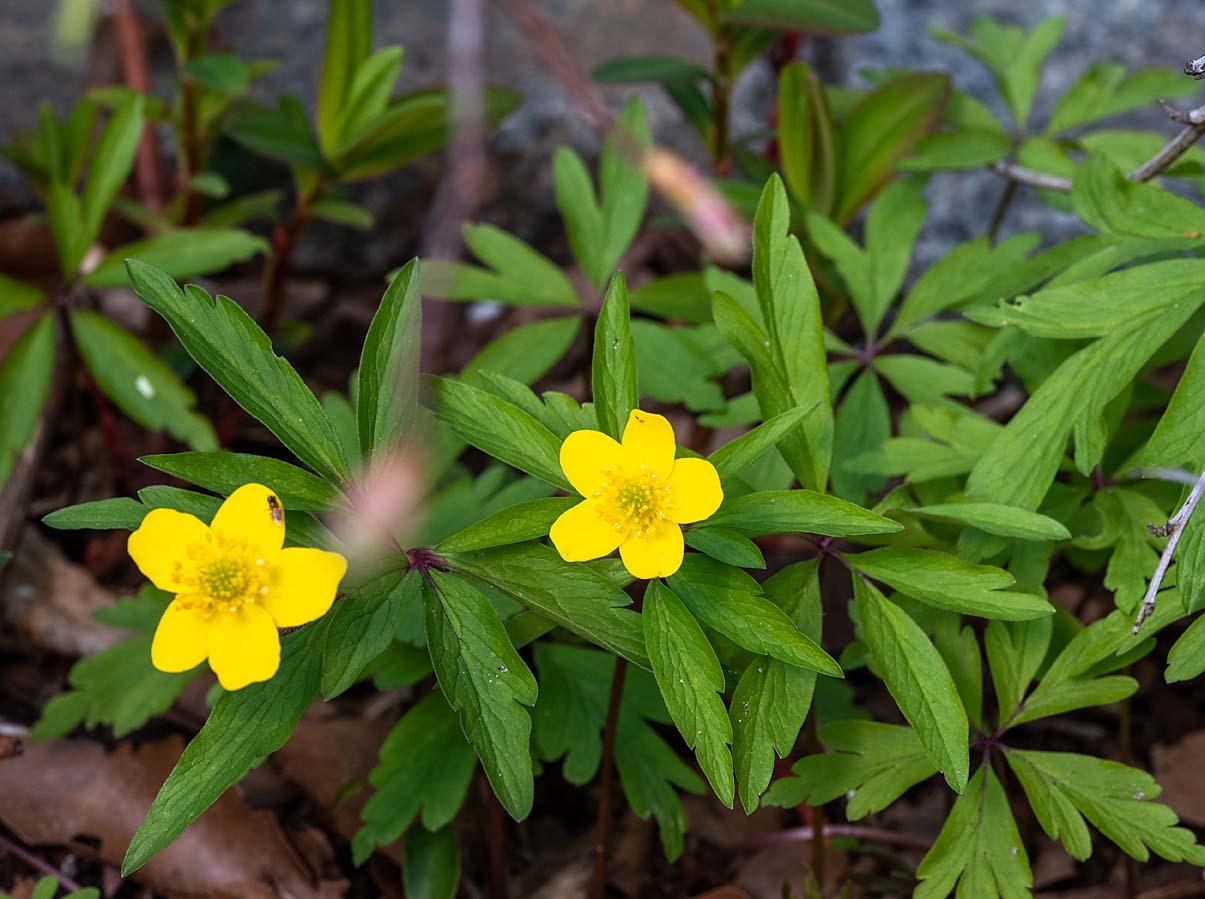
column 798, row 512
column 613, row 369
column 224, row 472
column 388, row 379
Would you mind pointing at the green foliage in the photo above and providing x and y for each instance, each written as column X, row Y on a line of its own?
column 25, row 374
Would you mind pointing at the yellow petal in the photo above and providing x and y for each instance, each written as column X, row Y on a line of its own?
column 581, row 534
column 648, row 440
column 656, row 553
column 584, row 455
column 244, row 647
column 255, row 514
column 161, row 544
column 694, row 490
column 304, row 585
column 182, row 638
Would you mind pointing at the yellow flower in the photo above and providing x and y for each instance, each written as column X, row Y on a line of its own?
column 636, row 496
column 234, row 585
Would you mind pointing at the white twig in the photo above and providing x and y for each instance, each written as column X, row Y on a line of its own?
column 1195, row 68
column 1174, row 530
column 1175, row 475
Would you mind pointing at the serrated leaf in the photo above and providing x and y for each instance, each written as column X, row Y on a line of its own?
column 426, row 766
column 873, row 765
column 691, row 681
column 572, row 595
column 1064, row 788
column 180, row 253
column 500, row 428
column 979, row 850
column 1015, row 651
column 918, row 680
column 613, row 368
column 1112, row 204
column 515, row 273
column 362, row 625
column 947, row 582
column 731, row 602
column 485, row 681
column 1004, row 521
column 236, row 353
column 798, row 511
column 772, row 698
column 244, row 727
column 224, row 472
column 388, row 375
column 1075, row 693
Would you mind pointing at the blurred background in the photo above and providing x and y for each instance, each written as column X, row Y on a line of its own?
column 39, row 61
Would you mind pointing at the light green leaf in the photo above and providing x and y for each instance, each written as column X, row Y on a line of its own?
column 1004, row 521
column 613, row 369
column 515, row 273
column 873, row 765
column 25, row 375
column 726, row 546
column 1186, row 658
column 181, row 253
column 737, row 455
column 1015, row 651
column 979, row 850
column 863, row 425
column 348, row 43
column 525, row 353
column 111, row 161
column 514, row 524
column 1051, row 699
column 388, row 375
column 918, row 680
column 362, row 625
column 16, row 296
column 821, row 16
column 798, row 512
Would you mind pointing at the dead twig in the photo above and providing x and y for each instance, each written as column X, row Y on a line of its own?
column 1174, row 530
column 43, row 867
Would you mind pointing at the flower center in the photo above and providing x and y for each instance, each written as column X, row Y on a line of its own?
column 222, row 575
column 633, row 502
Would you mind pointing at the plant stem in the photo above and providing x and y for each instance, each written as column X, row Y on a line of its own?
column 276, row 269
column 137, row 76
column 721, row 95
column 1006, row 200
column 18, row 851
column 602, row 824
column 495, row 839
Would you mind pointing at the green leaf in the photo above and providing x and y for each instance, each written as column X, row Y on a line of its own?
column 112, row 158
column 485, row 681
column 946, row 582
column 514, row 524
column 499, row 428
column 737, row 455
column 772, row 698
column 979, row 850
column 1050, row 699
column 731, row 602
column 863, row 425
column 880, row 130
column 1064, row 788
column 236, row 353
column 224, row 472
column 674, row 367
column 118, row 686
column 117, row 513
column 67, row 227
column 17, row 296
column 180, row 253
column 1105, row 90
column 348, row 44
column 663, row 69
column 821, row 16
column 368, row 96
column 343, row 212
column 388, row 378
column 918, row 680
column 798, row 512
column 1186, row 658
column 726, row 546
column 432, row 869
column 806, row 145
column 572, row 595
column 873, row 765
column 244, row 727
column 1112, row 204
column 1004, row 521
column 139, row 383
column 622, row 184
column 516, row 274
column 25, row 375
column 794, row 371
column 691, row 681
column 526, row 353
column 426, row 765
column 221, row 72
column 678, row 297
column 282, row 132
column 1179, row 438
column 1015, row 652
column 613, row 369
column 362, row 625
column 958, row 150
